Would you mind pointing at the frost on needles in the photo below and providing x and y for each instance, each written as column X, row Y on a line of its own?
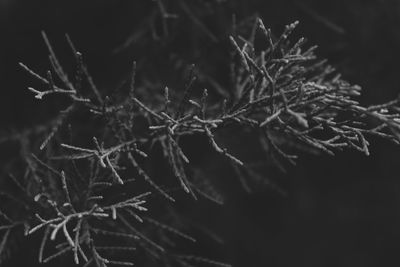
column 280, row 91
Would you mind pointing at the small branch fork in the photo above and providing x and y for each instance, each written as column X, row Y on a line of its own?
column 79, row 236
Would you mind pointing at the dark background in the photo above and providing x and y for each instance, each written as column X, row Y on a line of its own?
column 341, row 211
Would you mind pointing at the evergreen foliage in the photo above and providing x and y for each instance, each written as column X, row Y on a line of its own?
column 88, row 185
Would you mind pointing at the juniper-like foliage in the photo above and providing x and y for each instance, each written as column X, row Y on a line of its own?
column 88, row 191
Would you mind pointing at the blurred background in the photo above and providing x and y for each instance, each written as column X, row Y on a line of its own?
column 336, row 211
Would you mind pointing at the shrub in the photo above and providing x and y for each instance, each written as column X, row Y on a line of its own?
column 87, row 186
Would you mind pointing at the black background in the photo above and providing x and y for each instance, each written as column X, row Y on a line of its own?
column 341, row 211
